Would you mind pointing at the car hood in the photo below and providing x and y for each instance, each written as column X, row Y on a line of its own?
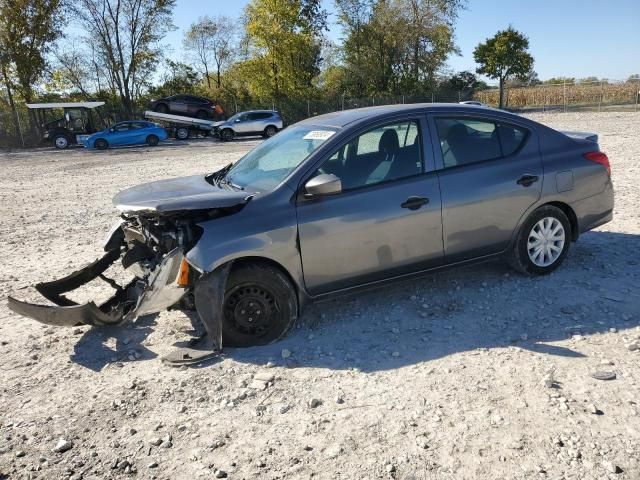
column 178, row 194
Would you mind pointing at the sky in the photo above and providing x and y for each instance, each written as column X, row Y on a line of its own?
column 567, row 38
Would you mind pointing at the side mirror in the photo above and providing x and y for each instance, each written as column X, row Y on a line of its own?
column 323, row 184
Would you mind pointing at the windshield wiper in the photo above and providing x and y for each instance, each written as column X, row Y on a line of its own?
column 226, row 181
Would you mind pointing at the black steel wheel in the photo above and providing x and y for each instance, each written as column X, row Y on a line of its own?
column 152, row 140
column 260, row 306
column 101, row 144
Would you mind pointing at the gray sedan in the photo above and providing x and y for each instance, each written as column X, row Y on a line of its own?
column 340, row 202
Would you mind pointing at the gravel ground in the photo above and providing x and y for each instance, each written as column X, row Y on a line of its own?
column 471, row 373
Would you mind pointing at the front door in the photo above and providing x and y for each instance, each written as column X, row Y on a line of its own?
column 386, row 221
column 490, row 174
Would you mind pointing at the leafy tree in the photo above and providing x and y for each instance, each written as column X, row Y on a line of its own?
column 178, row 77
column 503, row 56
column 28, row 29
column 126, row 36
column 211, row 40
column 284, row 44
column 394, row 46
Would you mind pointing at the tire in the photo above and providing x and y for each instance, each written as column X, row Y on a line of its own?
column 152, row 140
column 226, row 135
column 542, row 242
column 101, row 144
column 260, row 306
column 270, row 131
column 162, row 108
column 61, row 142
column 202, row 115
column 182, row 133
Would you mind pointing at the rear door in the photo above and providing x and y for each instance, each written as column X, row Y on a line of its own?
column 490, row 173
column 179, row 105
column 386, row 221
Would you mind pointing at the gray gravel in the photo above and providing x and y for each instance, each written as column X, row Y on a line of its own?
column 470, row 373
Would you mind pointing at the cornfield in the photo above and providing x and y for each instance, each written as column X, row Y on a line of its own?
column 578, row 94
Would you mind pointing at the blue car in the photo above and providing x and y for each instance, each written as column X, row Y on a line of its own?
column 135, row 132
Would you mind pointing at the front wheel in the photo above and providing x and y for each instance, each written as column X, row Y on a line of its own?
column 101, row 144
column 542, row 243
column 152, row 140
column 226, row 135
column 260, row 306
column 61, row 142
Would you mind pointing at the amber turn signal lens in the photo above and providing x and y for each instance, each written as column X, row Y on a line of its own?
column 183, row 276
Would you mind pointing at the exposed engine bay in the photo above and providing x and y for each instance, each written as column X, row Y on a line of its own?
column 155, row 231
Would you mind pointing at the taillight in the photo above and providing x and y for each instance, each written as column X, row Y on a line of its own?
column 599, row 157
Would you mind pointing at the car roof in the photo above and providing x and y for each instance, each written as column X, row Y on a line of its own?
column 343, row 118
column 260, row 111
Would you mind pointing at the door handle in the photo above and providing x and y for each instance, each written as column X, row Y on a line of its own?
column 414, row 203
column 527, row 180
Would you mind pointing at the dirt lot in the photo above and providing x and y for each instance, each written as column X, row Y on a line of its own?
column 438, row 378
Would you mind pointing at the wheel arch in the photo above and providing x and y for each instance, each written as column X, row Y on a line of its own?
column 254, row 259
column 571, row 215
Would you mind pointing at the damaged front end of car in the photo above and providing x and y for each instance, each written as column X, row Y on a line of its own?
column 158, row 226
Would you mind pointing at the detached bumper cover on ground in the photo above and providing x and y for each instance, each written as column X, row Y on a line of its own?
column 157, row 292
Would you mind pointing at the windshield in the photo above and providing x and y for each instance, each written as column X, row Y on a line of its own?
column 264, row 167
column 233, row 118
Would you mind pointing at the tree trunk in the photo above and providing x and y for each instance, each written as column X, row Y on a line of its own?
column 16, row 122
column 501, row 92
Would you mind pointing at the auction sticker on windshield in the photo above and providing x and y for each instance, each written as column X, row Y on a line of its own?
column 318, row 135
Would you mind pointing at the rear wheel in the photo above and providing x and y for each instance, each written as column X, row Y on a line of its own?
column 101, row 144
column 542, row 243
column 182, row 133
column 270, row 131
column 260, row 306
column 152, row 140
column 226, row 135
column 162, row 108
column 61, row 142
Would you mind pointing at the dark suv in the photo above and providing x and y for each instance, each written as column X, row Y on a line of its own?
column 187, row 105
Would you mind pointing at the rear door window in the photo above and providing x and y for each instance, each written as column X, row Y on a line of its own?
column 464, row 141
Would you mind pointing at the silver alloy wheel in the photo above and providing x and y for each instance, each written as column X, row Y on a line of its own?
column 546, row 241
column 61, row 142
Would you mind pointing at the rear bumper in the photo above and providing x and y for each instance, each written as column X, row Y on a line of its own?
column 595, row 210
column 155, row 292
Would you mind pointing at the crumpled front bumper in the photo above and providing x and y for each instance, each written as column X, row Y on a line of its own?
column 158, row 291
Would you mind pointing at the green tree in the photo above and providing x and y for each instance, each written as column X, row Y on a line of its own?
column 284, row 40
column 395, row 46
column 28, row 29
column 503, row 56
column 126, row 36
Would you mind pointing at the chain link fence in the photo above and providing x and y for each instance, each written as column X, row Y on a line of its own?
column 563, row 97
column 569, row 96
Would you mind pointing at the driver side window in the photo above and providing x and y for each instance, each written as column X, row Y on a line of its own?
column 385, row 153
